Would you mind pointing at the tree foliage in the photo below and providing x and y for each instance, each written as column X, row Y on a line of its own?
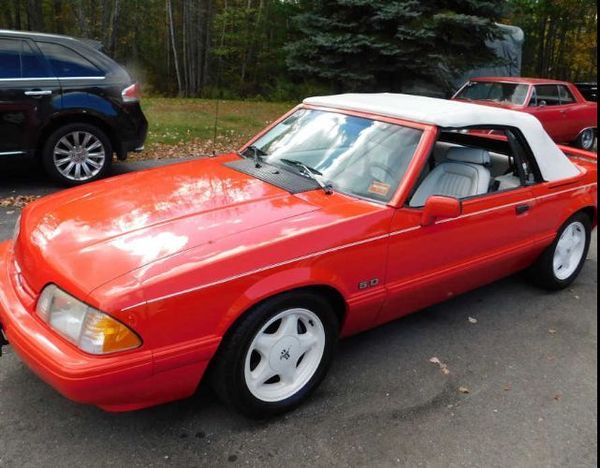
column 286, row 49
column 382, row 44
column 561, row 37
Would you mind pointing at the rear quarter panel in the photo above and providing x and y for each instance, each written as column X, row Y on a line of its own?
column 559, row 200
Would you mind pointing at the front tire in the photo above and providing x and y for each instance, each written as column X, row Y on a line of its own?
column 77, row 154
column 561, row 263
column 586, row 139
column 277, row 355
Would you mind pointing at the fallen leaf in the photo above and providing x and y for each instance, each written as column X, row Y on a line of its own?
column 557, row 397
column 508, row 388
column 18, row 201
column 443, row 367
column 464, row 390
column 552, row 331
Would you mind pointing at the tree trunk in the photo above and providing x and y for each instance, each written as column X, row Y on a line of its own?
column 34, row 15
column 174, row 45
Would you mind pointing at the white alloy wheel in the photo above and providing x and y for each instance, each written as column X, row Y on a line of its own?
column 569, row 250
column 284, row 355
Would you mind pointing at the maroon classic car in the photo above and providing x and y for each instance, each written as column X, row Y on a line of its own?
column 559, row 105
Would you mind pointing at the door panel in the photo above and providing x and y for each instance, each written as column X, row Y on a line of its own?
column 26, row 100
column 432, row 263
column 546, row 106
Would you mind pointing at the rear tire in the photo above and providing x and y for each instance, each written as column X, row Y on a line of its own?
column 586, row 139
column 277, row 355
column 561, row 262
column 77, row 154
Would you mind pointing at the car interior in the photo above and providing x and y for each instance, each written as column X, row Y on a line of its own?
column 469, row 163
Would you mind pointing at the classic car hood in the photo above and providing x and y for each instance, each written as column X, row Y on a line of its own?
column 93, row 234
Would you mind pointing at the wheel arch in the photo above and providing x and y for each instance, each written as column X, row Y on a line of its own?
column 592, row 212
column 76, row 118
column 330, row 293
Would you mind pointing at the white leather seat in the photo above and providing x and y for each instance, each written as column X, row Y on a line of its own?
column 464, row 173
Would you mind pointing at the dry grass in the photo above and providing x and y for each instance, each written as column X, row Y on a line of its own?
column 186, row 127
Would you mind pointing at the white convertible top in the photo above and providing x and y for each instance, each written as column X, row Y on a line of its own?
column 552, row 162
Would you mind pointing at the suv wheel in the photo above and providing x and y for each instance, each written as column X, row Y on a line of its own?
column 76, row 154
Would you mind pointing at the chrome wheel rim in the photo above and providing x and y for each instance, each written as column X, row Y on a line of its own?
column 587, row 139
column 284, row 355
column 79, row 156
column 569, row 250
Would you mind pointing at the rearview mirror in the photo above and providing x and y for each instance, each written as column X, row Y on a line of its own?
column 440, row 207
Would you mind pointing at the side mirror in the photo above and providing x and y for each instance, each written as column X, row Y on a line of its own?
column 440, row 207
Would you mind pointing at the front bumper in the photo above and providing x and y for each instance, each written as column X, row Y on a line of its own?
column 121, row 382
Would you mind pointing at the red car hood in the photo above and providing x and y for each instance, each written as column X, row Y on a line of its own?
column 88, row 236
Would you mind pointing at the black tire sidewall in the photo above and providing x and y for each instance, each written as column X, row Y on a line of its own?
column 240, row 396
column 48, row 152
column 543, row 271
column 580, row 141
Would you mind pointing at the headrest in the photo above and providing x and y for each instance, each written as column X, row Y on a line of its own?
column 468, row 155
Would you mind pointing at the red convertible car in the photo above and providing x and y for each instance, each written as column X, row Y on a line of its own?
column 559, row 105
column 348, row 212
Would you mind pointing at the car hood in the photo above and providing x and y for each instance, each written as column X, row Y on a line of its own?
column 85, row 237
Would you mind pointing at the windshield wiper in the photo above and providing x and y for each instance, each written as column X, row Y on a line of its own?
column 257, row 155
column 310, row 173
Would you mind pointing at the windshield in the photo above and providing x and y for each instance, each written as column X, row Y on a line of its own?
column 353, row 155
column 509, row 93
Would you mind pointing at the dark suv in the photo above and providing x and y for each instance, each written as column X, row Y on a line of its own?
column 65, row 102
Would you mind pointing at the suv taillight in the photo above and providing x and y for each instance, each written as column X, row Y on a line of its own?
column 132, row 93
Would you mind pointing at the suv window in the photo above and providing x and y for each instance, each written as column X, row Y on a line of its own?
column 565, row 95
column 67, row 63
column 10, row 58
column 32, row 64
column 19, row 60
column 546, row 95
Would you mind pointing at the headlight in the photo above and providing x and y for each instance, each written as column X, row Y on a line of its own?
column 89, row 329
column 17, row 229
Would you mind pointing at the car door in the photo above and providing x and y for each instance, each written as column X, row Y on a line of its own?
column 428, row 264
column 546, row 105
column 29, row 94
column 573, row 116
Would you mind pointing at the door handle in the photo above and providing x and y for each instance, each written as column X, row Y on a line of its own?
column 38, row 92
column 520, row 209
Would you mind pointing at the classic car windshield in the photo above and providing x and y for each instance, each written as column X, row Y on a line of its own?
column 510, row 93
column 355, row 155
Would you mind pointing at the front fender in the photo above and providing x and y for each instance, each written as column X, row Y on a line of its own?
column 278, row 283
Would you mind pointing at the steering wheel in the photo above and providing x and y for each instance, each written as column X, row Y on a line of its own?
column 385, row 169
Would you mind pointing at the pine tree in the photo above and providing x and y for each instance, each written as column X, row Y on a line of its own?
column 372, row 45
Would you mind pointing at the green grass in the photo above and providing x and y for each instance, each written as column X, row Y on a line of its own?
column 176, row 122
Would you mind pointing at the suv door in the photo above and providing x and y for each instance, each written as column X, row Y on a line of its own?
column 29, row 95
